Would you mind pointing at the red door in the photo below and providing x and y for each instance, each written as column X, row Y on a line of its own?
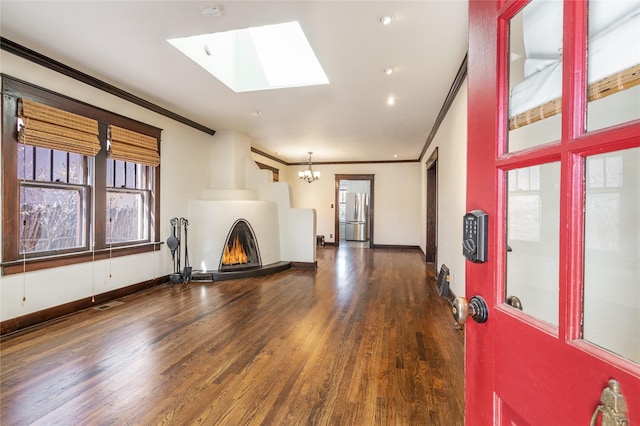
column 554, row 161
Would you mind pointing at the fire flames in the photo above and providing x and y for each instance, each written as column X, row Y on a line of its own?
column 234, row 255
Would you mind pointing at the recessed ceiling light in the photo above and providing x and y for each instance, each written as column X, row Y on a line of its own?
column 388, row 71
column 385, row 19
column 395, row 155
column 390, row 100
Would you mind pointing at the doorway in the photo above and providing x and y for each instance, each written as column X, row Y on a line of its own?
column 354, row 213
column 431, row 245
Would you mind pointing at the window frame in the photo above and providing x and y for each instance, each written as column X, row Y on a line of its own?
column 12, row 262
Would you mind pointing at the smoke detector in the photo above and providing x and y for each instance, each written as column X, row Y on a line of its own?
column 211, row 11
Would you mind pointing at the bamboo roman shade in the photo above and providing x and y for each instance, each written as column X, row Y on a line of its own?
column 127, row 145
column 52, row 128
column 607, row 86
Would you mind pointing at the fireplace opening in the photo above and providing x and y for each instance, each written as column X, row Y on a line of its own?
column 240, row 249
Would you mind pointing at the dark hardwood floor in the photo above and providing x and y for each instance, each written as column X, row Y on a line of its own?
column 362, row 340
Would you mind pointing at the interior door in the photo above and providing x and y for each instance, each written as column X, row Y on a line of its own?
column 555, row 165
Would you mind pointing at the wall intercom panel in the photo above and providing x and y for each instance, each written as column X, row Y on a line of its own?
column 474, row 236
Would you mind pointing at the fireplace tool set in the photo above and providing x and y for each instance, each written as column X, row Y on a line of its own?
column 175, row 246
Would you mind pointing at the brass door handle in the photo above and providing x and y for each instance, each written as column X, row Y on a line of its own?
column 612, row 406
column 475, row 308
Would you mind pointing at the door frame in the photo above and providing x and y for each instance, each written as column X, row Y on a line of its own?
column 431, row 238
column 336, row 220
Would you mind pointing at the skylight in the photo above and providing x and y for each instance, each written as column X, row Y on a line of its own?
column 258, row 58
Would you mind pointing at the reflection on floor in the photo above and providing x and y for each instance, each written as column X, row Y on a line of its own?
column 355, row 244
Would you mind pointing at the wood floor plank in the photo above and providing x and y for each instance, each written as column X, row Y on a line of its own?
column 362, row 340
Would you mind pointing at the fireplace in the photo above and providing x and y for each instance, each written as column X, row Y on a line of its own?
column 241, row 250
column 244, row 207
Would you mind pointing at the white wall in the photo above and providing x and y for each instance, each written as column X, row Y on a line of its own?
column 451, row 142
column 185, row 167
column 397, row 195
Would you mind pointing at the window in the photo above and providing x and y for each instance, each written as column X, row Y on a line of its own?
column 128, row 193
column 80, row 196
column 53, row 199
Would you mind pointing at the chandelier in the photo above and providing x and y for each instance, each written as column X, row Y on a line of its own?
column 309, row 175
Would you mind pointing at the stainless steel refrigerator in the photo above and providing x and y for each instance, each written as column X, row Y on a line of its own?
column 357, row 217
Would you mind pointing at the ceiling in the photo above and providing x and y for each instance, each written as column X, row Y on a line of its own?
column 124, row 43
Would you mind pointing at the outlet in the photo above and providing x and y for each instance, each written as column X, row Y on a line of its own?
column 330, row 235
column 331, row 205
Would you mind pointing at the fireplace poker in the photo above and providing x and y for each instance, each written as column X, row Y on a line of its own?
column 186, row 275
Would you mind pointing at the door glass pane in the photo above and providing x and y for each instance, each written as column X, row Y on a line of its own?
column 535, row 75
column 613, row 63
column 533, row 214
column 612, row 252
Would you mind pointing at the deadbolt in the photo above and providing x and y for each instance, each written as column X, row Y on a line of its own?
column 475, row 308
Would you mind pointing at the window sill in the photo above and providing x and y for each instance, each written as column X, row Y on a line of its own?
column 35, row 264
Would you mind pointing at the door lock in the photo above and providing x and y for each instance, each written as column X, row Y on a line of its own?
column 612, row 407
column 475, row 308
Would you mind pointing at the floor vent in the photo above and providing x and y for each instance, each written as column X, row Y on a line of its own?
column 109, row 305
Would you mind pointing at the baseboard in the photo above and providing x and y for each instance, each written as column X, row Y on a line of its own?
column 19, row 323
column 305, row 265
column 396, row 247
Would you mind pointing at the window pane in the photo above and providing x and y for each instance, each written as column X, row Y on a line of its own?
column 613, row 59
column 612, row 252
column 141, row 176
column 126, row 218
column 119, row 174
column 51, row 219
column 533, row 218
column 110, row 172
column 535, row 75
column 130, row 175
column 25, row 162
column 43, row 164
column 77, row 169
column 60, row 166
